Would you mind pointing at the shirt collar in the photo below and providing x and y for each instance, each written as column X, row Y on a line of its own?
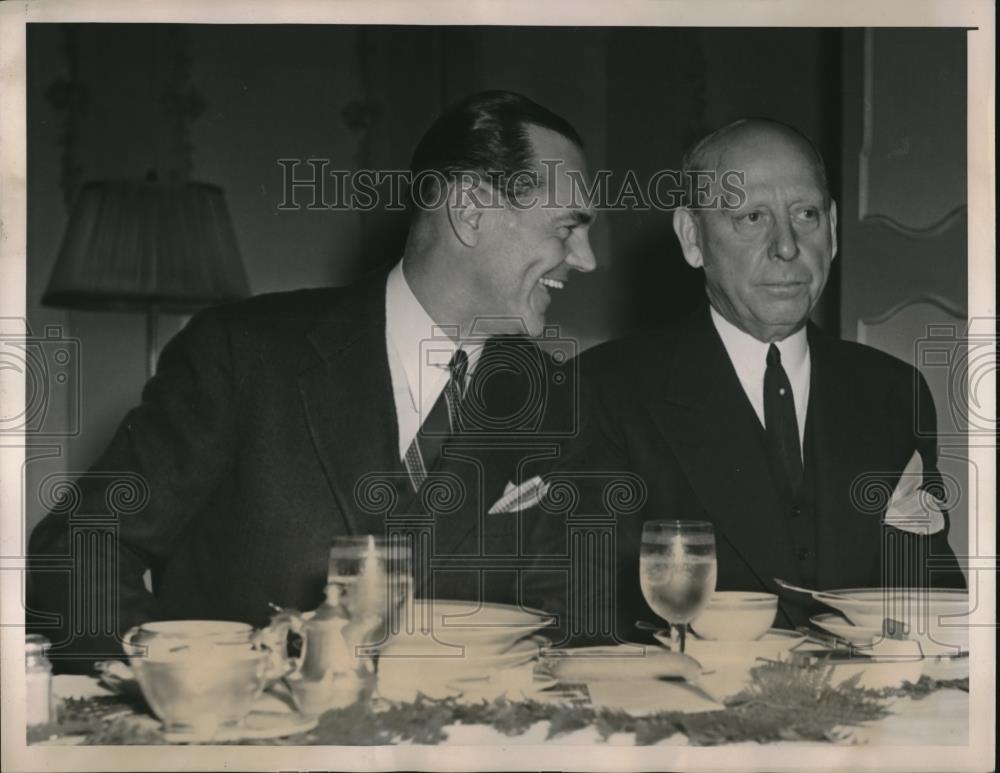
column 410, row 330
column 749, row 356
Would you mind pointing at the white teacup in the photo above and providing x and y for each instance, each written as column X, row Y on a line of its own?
column 198, row 675
column 198, row 692
column 736, row 616
column 162, row 637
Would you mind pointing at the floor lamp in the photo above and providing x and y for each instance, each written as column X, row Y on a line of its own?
column 147, row 246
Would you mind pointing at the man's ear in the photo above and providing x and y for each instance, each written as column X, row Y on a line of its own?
column 687, row 229
column 833, row 228
column 465, row 214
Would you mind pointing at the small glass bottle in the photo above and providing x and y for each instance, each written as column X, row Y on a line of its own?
column 38, row 681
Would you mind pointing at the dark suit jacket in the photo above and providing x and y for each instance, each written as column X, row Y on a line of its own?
column 268, row 430
column 668, row 407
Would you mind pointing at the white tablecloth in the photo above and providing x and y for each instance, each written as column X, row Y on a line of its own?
column 939, row 719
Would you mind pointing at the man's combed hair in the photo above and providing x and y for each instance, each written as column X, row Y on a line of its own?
column 484, row 135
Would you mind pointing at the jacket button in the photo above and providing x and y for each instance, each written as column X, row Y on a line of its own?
column 803, row 553
column 796, row 511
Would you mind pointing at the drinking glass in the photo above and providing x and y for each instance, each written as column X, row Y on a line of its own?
column 374, row 574
column 677, row 571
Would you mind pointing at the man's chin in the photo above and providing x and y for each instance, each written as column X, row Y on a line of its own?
column 790, row 311
column 775, row 327
column 533, row 327
column 529, row 325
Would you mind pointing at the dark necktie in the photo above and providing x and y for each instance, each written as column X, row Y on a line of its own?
column 441, row 422
column 780, row 420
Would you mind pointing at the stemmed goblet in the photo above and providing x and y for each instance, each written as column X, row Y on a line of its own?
column 677, row 571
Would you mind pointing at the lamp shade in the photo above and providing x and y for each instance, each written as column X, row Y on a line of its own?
column 132, row 245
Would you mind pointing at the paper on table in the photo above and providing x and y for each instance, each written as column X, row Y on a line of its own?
column 911, row 508
column 649, row 696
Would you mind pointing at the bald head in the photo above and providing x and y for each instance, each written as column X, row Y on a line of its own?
column 767, row 251
column 756, row 137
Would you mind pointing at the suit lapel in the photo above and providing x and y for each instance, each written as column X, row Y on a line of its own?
column 484, row 461
column 347, row 396
column 838, row 436
column 704, row 415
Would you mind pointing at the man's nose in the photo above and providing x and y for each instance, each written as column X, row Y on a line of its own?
column 581, row 256
column 784, row 245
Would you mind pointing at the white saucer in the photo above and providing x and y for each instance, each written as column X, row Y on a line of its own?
column 513, row 683
column 862, row 636
column 773, row 645
column 866, row 636
column 257, row 724
column 616, row 663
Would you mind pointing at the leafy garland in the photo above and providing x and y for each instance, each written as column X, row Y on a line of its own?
column 783, row 702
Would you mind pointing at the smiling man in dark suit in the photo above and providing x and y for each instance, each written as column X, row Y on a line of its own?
column 276, row 424
column 746, row 415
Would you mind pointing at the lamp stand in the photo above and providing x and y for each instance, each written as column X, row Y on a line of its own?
column 152, row 327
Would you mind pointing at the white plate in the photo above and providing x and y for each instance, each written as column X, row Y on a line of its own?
column 772, row 645
column 862, row 636
column 516, row 683
column 397, row 664
column 472, row 614
column 634, row 661
column 941, row 613
column 479, row 629
column 868, row 636
column 118, row 678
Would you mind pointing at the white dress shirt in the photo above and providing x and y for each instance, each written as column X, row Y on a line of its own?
column 419, row 352
column 749, row 358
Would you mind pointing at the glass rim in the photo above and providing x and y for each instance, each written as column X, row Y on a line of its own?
column 359, row 539
column 679, row 525
column 381, row 546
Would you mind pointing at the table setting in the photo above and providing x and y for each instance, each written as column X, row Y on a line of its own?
column 374, row 665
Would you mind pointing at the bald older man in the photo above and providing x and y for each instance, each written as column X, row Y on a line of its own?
column 746, row 416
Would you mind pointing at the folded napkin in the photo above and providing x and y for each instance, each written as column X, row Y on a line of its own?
column 518, row 498
column 912, row 508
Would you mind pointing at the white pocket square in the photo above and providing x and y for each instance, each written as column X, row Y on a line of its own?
column 518, row 498
column 911, row 508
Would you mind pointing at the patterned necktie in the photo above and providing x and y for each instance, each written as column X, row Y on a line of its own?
column 780, row 420
column 441, row 422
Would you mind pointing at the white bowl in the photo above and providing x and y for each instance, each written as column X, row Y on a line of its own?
column 457, row 628
column 736, row 616
column 936, row 618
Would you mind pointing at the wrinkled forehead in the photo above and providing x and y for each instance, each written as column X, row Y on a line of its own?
column 771, row 161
